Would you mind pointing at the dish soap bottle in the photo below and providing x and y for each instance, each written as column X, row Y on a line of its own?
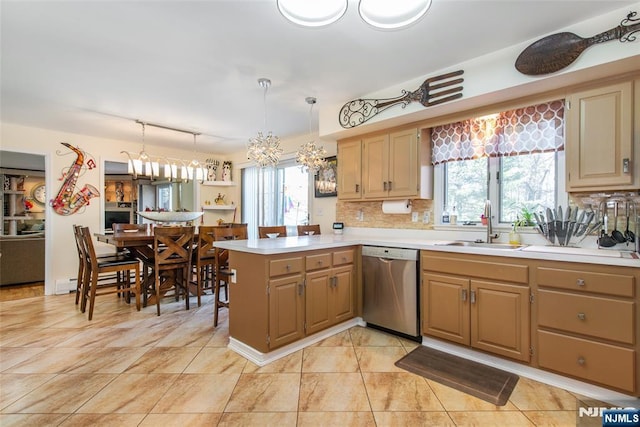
column 514, row 236
column 453, row 218
column 445, row 216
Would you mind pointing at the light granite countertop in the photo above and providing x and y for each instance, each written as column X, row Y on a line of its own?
column 550, row 253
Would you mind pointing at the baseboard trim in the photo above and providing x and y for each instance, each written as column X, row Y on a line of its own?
column 262, row 359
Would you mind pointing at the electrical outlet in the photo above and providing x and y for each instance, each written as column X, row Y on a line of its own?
column 414, row 217
column 360, row 216
column 233, row 275
column 426, row 217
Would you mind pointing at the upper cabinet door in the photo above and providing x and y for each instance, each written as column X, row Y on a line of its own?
column 403, row 163
column 599, row 144
column 350, row 170
column 375, row 166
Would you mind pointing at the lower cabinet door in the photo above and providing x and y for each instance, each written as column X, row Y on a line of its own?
column 286, row 310
column 445, row 307
column 343, row 306
column 318, row 300
column 500, row 319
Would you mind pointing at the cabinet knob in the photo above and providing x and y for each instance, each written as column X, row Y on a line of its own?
column 581, row 361
column 287, row 267
column 580, row 282
column 581, row 316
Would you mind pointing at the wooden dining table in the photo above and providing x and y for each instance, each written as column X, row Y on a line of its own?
column 140, row 245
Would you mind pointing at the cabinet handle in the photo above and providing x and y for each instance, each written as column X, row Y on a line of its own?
column 389, row 185
column 357, row 188
column 288, row 268
column 625, row 165
column 464, row 295
column 472, row 298
column 581, row 360
column 582, row 316
column 300, row 288
column 384, row 185
column 580, row 282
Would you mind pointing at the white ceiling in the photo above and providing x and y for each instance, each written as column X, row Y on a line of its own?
column 93, row 67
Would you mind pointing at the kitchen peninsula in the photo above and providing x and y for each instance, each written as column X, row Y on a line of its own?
column 290, row 292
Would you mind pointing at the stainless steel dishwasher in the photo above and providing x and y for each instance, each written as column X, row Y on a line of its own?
column 390, row 288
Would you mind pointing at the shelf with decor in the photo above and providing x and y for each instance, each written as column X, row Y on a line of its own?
column 219, row 207
column 219, row 183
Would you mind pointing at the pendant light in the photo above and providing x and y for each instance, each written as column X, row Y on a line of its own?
column 264, row 150
column 310, row 156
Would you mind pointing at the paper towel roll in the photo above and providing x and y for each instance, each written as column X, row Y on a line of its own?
column 396, row 206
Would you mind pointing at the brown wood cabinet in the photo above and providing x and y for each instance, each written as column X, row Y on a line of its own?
column 283, row 298
column 473, row 308
column 389, row 165
column 385, row 165
column 600, row 152
column 587, row 325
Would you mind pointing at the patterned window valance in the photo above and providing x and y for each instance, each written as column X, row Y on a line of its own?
column 534, row 129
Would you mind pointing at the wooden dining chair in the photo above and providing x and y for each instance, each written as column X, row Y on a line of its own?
column 83, row 262
column 263, row 231
column 147, row 263
column 203, row 260
column 222, row 271
column 173, row 249
column 94, row 267
column 304, row 230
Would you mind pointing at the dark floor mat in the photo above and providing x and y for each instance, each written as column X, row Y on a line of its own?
column 482, row 381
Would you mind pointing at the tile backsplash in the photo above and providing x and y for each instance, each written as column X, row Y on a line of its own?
column 371, row 215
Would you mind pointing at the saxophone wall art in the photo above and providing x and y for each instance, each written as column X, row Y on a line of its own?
column 66, row 201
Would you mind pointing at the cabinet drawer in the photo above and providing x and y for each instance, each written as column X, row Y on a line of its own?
column 588, row 281
column 595, row 316
column 280, row 267
column 343, row 257
column 494, row 269
column 601, row 363
column 316, row 262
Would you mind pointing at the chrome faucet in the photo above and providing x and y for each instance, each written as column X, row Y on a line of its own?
column 487, row 214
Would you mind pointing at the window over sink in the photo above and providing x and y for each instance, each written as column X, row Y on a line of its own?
column 514, row 158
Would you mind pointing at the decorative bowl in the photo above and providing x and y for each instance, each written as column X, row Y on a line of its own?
column 170, row 216
column 272, row 235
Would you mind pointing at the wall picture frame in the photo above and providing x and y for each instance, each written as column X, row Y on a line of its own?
column 326, row 179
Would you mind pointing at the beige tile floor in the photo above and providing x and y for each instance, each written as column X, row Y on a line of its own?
column 128, row 368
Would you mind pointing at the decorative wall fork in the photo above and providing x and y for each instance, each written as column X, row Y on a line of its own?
column 358, row 111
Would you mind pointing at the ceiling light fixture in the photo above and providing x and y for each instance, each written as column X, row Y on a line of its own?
column 264, row 150
column 310, row 156
column 312, row 13
column 173, row 169
column 381, row 14
column 390, row 15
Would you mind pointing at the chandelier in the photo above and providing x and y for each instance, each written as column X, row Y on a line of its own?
column 310, row 156
column 264, row 150
column 381, row 14
column 156, row 167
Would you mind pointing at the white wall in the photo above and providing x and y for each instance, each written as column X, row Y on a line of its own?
column 493, row 78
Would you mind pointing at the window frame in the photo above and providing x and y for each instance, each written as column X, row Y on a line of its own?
column 439, row 183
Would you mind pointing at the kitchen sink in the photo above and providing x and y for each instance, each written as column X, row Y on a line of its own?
column 485, row 245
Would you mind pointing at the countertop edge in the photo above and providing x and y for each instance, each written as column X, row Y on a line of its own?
column 308, row 243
